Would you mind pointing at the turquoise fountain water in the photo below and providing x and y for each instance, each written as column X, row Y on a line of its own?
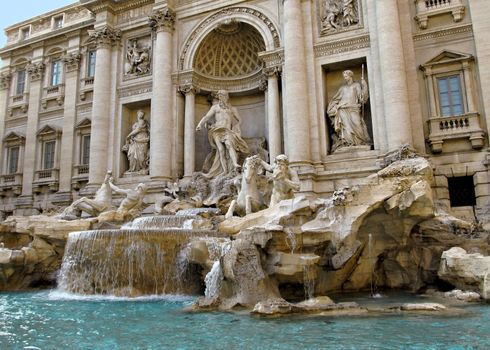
column 50, row 320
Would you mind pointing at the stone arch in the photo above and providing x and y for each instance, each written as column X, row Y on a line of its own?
column 249, row 15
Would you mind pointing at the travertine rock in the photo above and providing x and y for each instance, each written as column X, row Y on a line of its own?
column 466, row 271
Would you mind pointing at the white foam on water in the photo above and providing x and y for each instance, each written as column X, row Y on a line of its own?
column 62, row 295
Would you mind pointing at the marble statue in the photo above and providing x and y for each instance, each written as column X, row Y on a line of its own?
column 137, row 144
column 93, row 207
column 285, row 180
column 249, row 198
column 338, row 14
column 138, row 59
column 345, row 111
column 224, row 135
column 133, row 201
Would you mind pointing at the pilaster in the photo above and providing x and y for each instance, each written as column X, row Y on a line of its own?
column 189, row 92
column 273, row 111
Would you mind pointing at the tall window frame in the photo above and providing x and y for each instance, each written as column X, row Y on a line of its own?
column 56, row 72
column 20, row 81
column 91, row 61
column 450, row 89
column 13, row 140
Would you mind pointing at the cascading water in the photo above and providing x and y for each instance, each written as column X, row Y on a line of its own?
column 146, row 257
column 213, row 280
column 372, row 282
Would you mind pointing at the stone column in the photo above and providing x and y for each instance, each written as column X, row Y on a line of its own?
column 104, row 38
column 5, row 79
column 189, row 92
column 162, row 22
column 35, row 72
column 273, row 112
column 295, row 85
column 71, row 62
column 393, row 74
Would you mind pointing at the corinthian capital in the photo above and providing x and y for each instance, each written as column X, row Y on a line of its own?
column 105, row 37
column 72, row 61
column 35, row 70
column 271, row 71
column 162, row 20
column 188, row 89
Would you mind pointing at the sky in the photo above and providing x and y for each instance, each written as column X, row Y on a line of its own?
column 14, row 11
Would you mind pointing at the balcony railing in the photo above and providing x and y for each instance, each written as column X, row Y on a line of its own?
column 11, row 182
column 430, row 8
column 466, row 126
column 55, row 92
column 18, row 102
column 46, row 178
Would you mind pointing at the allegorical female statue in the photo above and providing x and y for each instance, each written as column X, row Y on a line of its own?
column 137, row 145
column 345, row 111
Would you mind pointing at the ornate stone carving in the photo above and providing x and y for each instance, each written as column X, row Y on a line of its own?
column 105, row 37
column 5, row 79
column 339, row 15
column 345, row 109
column 224, row 136
column 162, row 20
column 101, row 202
column 72, row 61
column 131, row 206
column 137, row 145
column 340, row 46
column 188, row 88
column 285, row 180
column 35, row 70
column 226, row 14
column 138, row 59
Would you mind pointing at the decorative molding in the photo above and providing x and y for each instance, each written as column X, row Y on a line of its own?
column 210, row 84
column 5, row 79
column 339, row 46
column 272, row 58
column 162, row 20
column 72, row 61
column 35, row 70
column 466, row 28
column 134, row 90
column 228, row 13
column 105, row 37
column 339, row 16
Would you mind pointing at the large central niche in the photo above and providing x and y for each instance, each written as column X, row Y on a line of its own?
column 227, row 59
column 230, row 51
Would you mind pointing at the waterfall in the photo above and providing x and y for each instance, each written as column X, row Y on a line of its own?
column 372, row 263
column 145, row 257
column 213, row 280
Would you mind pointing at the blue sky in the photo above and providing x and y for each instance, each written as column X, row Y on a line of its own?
column 14, row 11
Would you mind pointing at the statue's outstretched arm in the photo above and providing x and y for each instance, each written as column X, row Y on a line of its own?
column 206, row 118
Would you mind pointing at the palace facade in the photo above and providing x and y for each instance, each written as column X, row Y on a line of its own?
column 78, row 82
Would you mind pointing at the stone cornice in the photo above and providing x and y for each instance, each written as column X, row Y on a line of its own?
column 114, row 6
column 72, row 61
column 162, row 20
column 344, row 45
column 35, row 70
column 273, row 58
column 210, row 84
column 105, row 36
column 439, row 33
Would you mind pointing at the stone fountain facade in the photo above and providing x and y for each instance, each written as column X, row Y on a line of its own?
column 362, row 125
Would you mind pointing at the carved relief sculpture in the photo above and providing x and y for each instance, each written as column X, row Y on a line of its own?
column 138, row 59
column 224, row 135
column 339, row 14
column 137, row 145
column 345, row 110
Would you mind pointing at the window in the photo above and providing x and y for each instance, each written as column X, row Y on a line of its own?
column 91, row 64
column 58, row 22
column 21, row 82
column 85, row 155
column 13, row 159
column 450, row 96
column 25, row 33
column 56, row 73
column 48, row 154
column 461, row 191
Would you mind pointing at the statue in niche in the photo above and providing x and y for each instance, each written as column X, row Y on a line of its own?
column 339, row 14
column 137, row 145
column 224, row 135
column 93, row 207
column 132, row 204
column 138, row 59
column 345, row 110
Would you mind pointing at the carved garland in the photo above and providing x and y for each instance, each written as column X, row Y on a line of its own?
column 227, row 13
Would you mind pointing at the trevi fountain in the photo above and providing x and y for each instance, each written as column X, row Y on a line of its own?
column 244, row 253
